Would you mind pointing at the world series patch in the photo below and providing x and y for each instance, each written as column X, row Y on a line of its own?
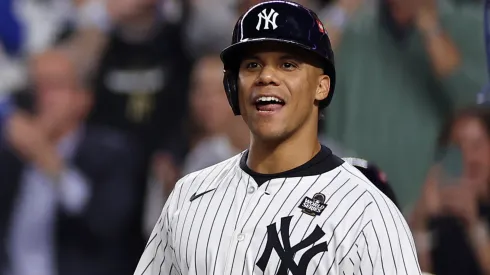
column 313, row 206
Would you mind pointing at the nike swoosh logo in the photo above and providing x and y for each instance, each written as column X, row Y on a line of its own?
column 195, row 195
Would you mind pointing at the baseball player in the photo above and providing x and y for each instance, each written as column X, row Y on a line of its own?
column 287, row 205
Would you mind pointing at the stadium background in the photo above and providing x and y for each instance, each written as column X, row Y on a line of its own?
column 152, row 74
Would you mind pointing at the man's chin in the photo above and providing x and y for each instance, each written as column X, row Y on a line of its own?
column 51, row 123
column 268, row 134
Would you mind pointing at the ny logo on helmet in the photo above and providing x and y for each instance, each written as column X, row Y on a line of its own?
column 268, row 19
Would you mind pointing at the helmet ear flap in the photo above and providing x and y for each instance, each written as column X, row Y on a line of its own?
column 231, row 89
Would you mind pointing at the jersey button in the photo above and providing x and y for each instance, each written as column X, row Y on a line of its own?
column 241, row 237
column 251, row 189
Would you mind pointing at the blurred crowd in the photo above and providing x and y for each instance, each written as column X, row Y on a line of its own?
column 105, row 104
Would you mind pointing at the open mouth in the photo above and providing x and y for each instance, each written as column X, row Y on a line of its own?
column 268, row 104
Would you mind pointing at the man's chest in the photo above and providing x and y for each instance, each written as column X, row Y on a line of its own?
column 239, row 228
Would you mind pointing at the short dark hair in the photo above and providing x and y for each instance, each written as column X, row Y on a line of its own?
column 480, row 112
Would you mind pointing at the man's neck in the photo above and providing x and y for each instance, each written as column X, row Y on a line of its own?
column 272, row 158
column 238, row 135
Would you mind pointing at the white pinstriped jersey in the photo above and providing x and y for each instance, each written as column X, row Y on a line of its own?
column 219, row 221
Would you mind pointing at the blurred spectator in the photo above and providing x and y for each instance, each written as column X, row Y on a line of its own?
column 402, row 68
column 450, row 221
column 218, row 133
column 209, row 26
column 67, row 191
column 211, row 23
column 141, row 77
column 103, row 14
column 26, row 29
column 141, row 84
column 41, row 31
column 214, row 134
column 141, row 80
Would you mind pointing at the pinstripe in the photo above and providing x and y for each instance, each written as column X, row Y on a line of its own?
column 241, row 206
column 188, row 209
column 397, row 234
column 380, row 254
column 338, row 246
column 343, row 217
column 224, row 224
column 253, row 233
column 186, row 193
column 193, row 218
column 184, row 179
column 204, row 217
column 355, row 241
column 384, row 222
column 367, row 249
column 203, row 235
column 251, row 213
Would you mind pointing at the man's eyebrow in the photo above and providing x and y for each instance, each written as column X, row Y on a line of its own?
column 285, row 56
column 282, row 57
column 249, row 57
column 288, row 56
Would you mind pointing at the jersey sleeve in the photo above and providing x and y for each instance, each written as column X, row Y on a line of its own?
column 158, row 256
column 386, row 242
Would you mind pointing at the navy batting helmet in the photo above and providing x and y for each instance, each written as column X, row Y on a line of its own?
column 282, row 22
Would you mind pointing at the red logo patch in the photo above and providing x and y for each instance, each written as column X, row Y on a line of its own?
column 320, row 26
column 383, row 177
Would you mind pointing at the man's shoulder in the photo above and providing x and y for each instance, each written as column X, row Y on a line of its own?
column 214, row 171
column 369, row 191
column 105, row 136
column 107, row 143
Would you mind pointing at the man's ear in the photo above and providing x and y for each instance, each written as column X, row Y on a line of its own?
column 323, row 87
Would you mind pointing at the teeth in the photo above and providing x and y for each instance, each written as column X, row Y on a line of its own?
column 268, row 99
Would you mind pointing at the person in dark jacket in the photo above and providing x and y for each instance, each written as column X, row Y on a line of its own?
column 68, row 193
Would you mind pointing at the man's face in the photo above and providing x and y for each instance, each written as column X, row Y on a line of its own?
column 59, row 97
column 278, row 90
column 209, row 105
column 132, row 11
column 470, row 135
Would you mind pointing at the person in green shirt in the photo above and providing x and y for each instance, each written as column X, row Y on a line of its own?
column 403, row 67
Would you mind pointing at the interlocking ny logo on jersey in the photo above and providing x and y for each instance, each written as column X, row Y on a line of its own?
column 268, row 19
column 286, row 253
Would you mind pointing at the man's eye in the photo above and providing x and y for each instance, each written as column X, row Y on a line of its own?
column 289, row 66
column 252, row 65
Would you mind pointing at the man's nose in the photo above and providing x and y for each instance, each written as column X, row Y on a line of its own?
column 267, row 76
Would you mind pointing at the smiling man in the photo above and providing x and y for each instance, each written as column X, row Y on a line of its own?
column 287, row 204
